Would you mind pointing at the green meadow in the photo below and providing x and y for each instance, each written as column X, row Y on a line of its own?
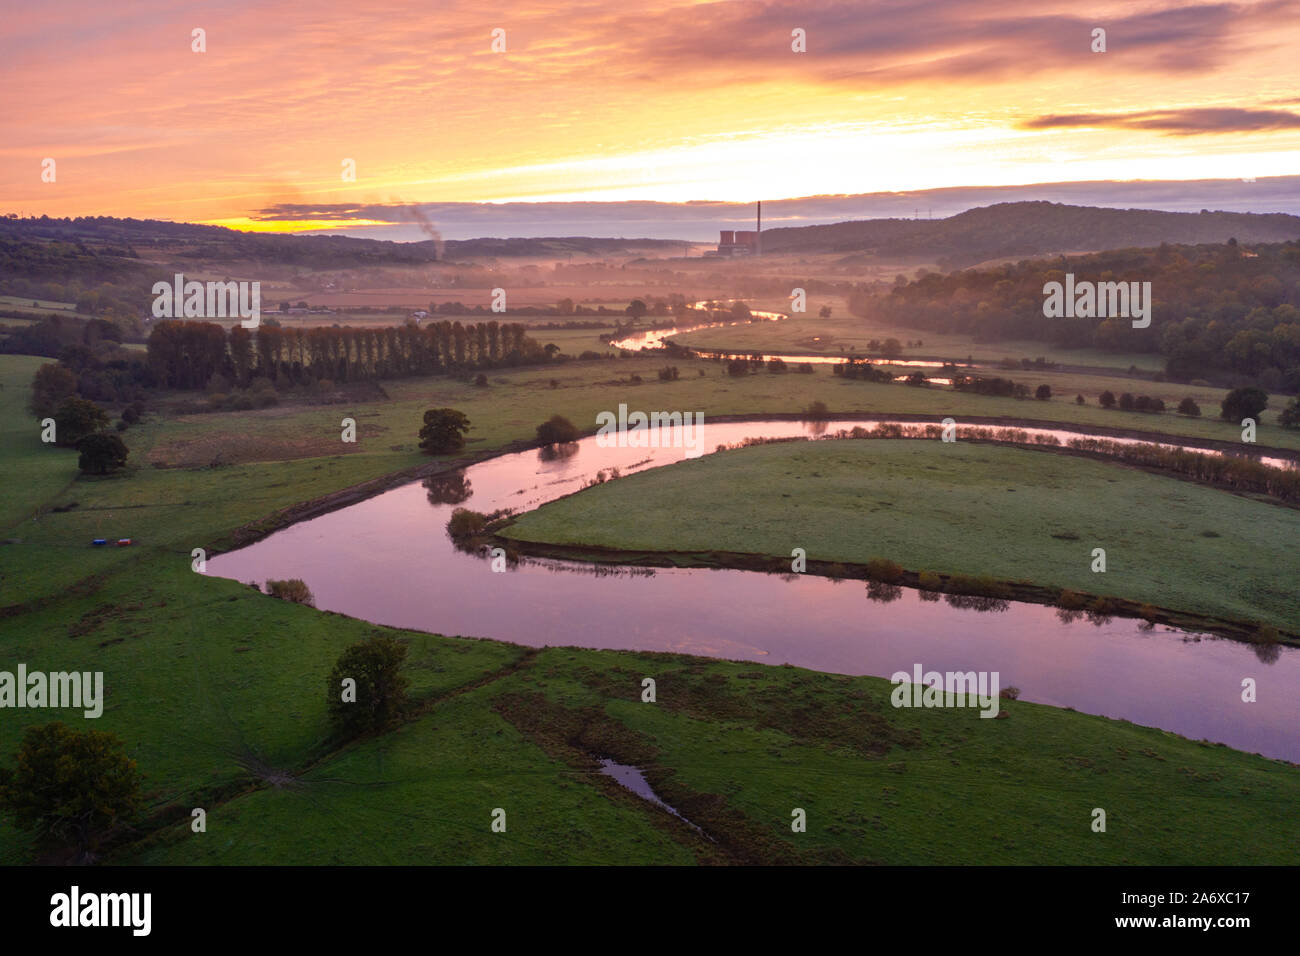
column 218, row 691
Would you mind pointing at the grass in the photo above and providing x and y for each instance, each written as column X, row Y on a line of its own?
column 843, row 330
column 217, row 690
column 735, row 747
column 927, row 505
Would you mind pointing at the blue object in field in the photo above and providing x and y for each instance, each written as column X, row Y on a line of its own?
column 99, row 541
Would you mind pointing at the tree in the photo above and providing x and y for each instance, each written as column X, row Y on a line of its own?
column 444, row 431
column 378, row 697
column 75, row 419
column 71, row 787
column 1107, row 399
column 824, row 312
column 1127, row 402
column 1189, row 407
column 1043, row 393
column 1080, row 400
column 1243, row 403
column 52, row 385
column 556, row 430
column 636, row 309
column 1289, row 417
column 101, row 453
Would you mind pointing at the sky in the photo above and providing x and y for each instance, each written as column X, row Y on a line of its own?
column 589, row 101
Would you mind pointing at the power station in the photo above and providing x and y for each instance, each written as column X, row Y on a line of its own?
column 742, row 242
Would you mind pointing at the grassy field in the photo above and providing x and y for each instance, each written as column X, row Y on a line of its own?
column 809, row 334
column 37, row 307
column 217, row 690
column 1009, row 513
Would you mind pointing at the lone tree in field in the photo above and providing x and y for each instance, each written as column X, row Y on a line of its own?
column 1043, row 393
column 1243, row 403
column 636, row 309
column 75, row 419
column 366, row 688
column 1188, row 406
column 444, row 431
column 1107, row 399
column 556, row 430
column 71, row 787
column 101, row 454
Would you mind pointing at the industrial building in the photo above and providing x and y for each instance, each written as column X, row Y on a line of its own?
column 732, row 242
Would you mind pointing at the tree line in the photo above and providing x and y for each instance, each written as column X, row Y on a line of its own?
column 1220, row 312
column 187, row 354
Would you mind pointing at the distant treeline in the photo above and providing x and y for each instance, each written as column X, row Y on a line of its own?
column 186, row 355
column 1221, row 313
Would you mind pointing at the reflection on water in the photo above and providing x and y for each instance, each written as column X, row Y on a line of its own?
column 449, row 489
column 388, row 559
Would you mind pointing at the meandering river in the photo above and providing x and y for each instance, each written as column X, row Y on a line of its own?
column 388, row 559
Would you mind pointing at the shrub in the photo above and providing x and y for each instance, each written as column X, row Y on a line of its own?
column 465, row 523
column 1127, row 402
column 1104, row 605
column 1080, row 400
column 556, row 430
column 880, row 569
column 929, row 581
column 244, row 401
column 481, row 380
column 738, row 367
column 294, row 590
column 1189, row 407
column 1289, row 417
column 121, row 425
column 817, row 410
column 1043, row 393
column 1072, row 600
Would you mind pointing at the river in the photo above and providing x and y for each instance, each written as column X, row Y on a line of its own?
column 388, row 560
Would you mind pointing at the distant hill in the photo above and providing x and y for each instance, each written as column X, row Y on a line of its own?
column 216, row 243
column 1022, row 230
